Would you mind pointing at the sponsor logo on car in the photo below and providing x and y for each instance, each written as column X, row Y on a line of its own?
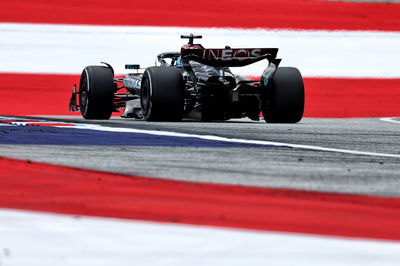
column 230, row 54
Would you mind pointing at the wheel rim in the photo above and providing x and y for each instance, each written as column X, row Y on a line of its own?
column 145, row 97
column 84, row 97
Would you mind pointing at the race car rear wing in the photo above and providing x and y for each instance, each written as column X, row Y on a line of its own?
column 227, row 57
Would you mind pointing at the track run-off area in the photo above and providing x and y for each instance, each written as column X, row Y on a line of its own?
column 324, row 191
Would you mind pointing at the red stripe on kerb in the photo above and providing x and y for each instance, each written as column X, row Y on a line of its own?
column 42, row 187
column 207, row 13
column 35, row 94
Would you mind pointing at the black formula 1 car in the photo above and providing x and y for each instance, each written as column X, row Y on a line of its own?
column 194, row 83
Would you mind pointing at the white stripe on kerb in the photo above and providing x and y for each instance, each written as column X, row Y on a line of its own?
column 38, row 239
column 45, row 48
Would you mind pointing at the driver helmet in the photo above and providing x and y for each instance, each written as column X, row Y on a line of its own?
column 178, row 62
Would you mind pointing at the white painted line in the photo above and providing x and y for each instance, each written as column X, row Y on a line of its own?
column 235, row 140
column 218, row 138
column 39, row 239
column 46, row 48
column 391, row 120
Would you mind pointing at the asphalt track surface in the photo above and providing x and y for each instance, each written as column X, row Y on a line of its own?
column 264, row 166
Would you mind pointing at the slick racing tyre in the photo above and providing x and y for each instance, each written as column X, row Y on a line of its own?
column 284, row 99
column 96, row 92
column 162, row 94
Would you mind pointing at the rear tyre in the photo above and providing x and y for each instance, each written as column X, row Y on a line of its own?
column 284, row 99
column 162, row 94
column 96, row 92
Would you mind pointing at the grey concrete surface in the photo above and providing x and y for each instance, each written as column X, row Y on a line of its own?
column 264, row 166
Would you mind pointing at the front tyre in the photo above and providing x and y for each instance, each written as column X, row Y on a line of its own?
column 162, row 94
column 96, row 92
column 284, row 99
